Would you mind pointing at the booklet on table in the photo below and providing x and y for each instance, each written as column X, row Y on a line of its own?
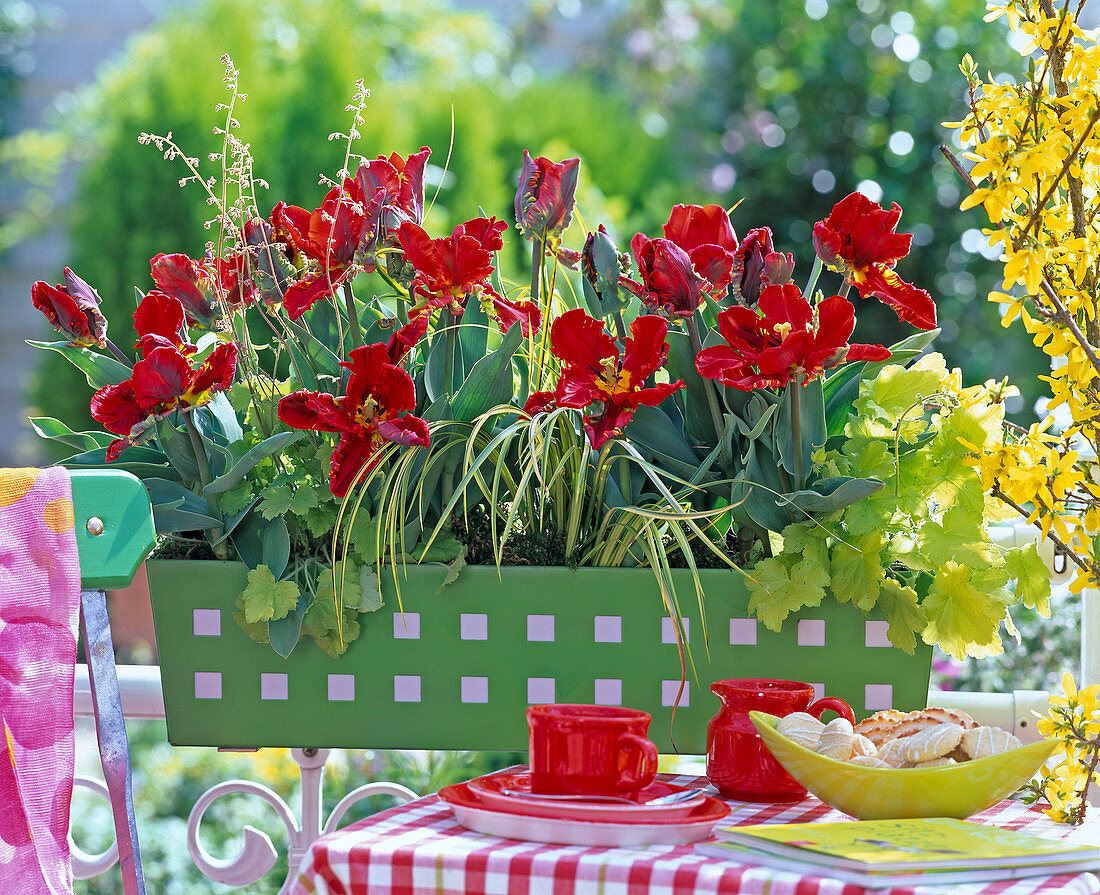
column 880, row 853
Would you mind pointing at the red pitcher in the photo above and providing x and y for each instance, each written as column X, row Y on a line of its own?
column 738, row 763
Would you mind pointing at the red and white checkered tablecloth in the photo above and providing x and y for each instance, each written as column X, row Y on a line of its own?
column 419, row 848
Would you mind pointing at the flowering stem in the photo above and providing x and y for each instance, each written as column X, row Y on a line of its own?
column 220, row 549
column 117, row 352
column 353, row 317
column 796, row 432
column 708, row 387
column 393, row 284
column 537, row 251
column 814, row 274
column 449, row 356
column 620, row 326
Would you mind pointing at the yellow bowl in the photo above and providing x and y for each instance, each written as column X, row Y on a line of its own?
column 957, row 790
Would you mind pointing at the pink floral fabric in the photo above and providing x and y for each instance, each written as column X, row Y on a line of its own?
column 39, row 606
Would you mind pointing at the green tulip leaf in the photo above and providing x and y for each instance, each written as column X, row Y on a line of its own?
column 99, row 369
column 490, row 382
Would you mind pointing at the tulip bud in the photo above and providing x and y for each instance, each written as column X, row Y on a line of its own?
column 72, row 309
column 545, row 198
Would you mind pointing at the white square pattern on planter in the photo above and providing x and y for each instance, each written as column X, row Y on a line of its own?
column 341, row 688
column 811, row 632
column 540, row 628
column 607, row 629
column 742, row 632
column 474, row 626
column 273, row 685
column 607, row 691
column 406, row 626
column 668, row 630
column 406, row 688
column 206, row 622
column 874, row 634
column 475, row 689
column 670, row 689
column 541, row 689
column 208, row 685
column 877, row 697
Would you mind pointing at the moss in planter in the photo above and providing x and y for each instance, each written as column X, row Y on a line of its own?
column 523, row 548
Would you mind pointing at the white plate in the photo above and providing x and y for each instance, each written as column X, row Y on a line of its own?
column 475, row 815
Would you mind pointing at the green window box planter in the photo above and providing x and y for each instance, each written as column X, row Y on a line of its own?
column 456, row 669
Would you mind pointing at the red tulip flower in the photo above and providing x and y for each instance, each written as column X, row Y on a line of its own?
column 401, row 183
column 180, row 277
column 669, row 280
column 783, row 340
column 596, row 375
column 404, row 339
column 858, row 239
column 327, row 237
column 545, row 198
column 72, row 308
column 367, row 416
column 165, row 379
column 756, row 265
column 705, row 233
column 451, row 269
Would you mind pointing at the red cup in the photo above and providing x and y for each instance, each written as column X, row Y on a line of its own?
column 738, row 763
column 590, row 749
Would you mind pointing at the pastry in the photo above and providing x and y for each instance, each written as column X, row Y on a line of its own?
column 892, row 752
column 934, row 762
column 878, row 727
column 802, row 728
column 837, row 740
column 932, row 742
column 981, row 742
column 868, row 761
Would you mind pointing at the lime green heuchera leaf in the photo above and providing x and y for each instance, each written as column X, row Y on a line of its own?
column 856, row 570
column 808, row 539
column 370, row 587
column 962, row 618
column 280, row 499
column 255, row 630
column 785, row 584
column 903, row 612
column 347, row 582
column 1032, row 578
column 321, row 518
column 897, row 389
column 235, row 499
column 265, row 598
column 328, row 639
column 956, row 535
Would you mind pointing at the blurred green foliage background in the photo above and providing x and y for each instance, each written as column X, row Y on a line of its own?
column 779, row 109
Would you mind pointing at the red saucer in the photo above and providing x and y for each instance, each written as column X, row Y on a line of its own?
column 490, row 790
column 475, row 814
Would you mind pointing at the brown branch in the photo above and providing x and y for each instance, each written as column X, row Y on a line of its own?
column 1078, row 204
column 1057, row 541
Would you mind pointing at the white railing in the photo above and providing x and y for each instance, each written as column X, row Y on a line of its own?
column 142, row 699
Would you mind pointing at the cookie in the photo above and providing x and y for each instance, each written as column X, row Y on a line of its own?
column 924, row 719
column 868, row 761
column 934, row 762
column 892, row 752
column 837, row 740
column 877, row 728
column 932, row 742
column 801, row 728
column 981, row 742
